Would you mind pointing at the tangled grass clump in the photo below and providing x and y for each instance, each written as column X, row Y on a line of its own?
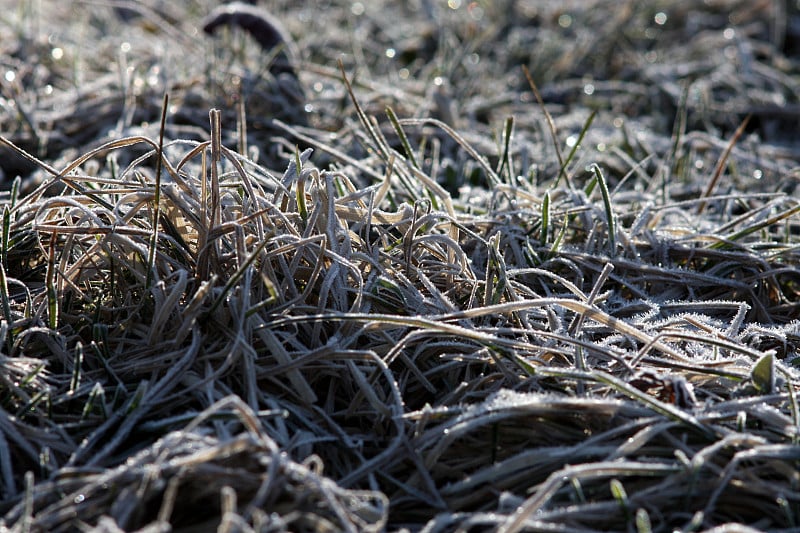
column 569, row 326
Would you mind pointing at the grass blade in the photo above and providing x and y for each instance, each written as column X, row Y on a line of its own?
column 50, row 282
column 398, row 128
column 545, row 229
column 6, row 235
column 609, row 211
column 550, row 123
column 505, row 157
column 562, row 172
column 153, row 245
column 723, row 159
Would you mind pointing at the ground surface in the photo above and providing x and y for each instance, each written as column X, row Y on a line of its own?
column 422, row 298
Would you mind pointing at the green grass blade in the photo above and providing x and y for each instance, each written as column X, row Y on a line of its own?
column 609, row 212
column 726, row 241
column 379, row 146
column 77, row 363
column 563, row 170
column 763, row 374
column 505, row 158
column 300, row 191
column 402, row 135
column 234, row 279
column 14, row 193
column 151, row 253
column 643, row 524
column 6, row 303
column 621, row 496
column 6, row 235
column 545, row 219
column 50, row 282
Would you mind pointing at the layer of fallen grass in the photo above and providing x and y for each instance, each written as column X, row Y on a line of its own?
column 432, row 316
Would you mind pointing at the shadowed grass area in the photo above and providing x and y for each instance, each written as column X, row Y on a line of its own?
column 418, row 287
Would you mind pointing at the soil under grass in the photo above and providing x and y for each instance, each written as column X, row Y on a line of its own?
column 515, row 266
